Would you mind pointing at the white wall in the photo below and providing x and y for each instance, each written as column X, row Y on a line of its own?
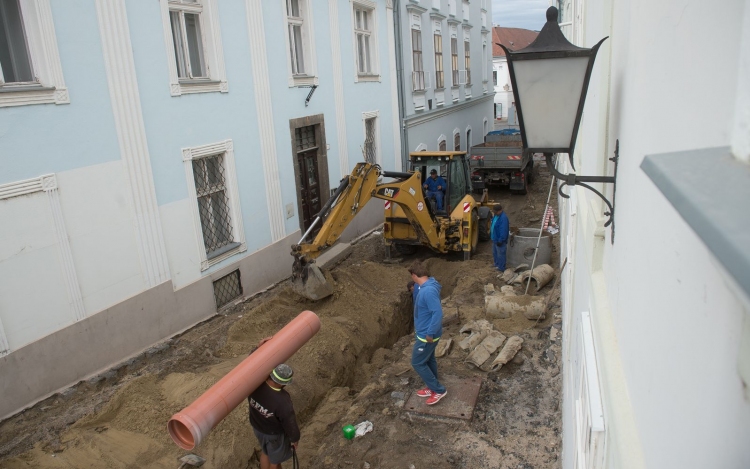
column 500, row 65
column 667, row 326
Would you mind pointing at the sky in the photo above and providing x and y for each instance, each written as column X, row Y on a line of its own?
column 527, row 14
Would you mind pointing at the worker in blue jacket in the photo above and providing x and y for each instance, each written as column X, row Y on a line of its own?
column 428, row 327
column 499, row 234
column 435, row 186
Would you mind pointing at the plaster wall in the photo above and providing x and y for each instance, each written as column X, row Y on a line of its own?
column 667, row 326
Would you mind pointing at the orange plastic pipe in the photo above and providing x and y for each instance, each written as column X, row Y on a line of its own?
column 189, row 426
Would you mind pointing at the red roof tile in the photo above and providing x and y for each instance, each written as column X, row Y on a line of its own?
column 512, row 38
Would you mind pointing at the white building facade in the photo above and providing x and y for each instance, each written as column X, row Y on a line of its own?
column 444, row 47
column 656, row 318
column 160, row 158
column 514, row 39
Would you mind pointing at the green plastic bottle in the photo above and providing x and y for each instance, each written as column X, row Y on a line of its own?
column 349, row 432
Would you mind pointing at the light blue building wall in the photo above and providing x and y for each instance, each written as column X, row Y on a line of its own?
column 101, row 238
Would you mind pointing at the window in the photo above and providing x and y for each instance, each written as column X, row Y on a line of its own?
column 442, row 145
column 296, row 50
column 457, row 141
column 467, row 61
column 193, row 46
column 15, row 63
column 468, row 139
column 299, row 42
column 439, row 74
column 418, row 79
column 454, row 60
column 212, row 184
column 365, row 38
column 30, row 69
column 370, row 148
column 494, row 77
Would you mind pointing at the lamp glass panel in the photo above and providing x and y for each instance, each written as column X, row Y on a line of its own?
column 550, row 90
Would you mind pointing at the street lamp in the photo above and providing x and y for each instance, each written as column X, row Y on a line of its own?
column 550, row 78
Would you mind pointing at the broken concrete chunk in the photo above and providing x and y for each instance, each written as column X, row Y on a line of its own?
column 487, row 347
column 469, row 343
column 477, row 325
column 443, row 347
column 553, row 333
column 489, row 289
column 507, row 275
column 511, row 348
column 450, row 315
column 506, row 304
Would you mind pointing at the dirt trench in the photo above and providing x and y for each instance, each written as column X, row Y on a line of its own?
column 350, row 371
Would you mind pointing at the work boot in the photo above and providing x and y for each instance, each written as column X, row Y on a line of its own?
column 435, row 398
column 424, row 392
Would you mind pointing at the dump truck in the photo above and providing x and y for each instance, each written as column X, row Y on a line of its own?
column 411, row 218
column 501, row 161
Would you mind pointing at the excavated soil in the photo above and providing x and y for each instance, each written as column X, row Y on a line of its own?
column 356, row 368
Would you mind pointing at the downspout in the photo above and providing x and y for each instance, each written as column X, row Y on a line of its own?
column 401, row 90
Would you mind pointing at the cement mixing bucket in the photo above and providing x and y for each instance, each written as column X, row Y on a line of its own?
column 521, row 247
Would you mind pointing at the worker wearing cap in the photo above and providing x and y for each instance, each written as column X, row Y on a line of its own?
column 273, row 419
column 435, row 185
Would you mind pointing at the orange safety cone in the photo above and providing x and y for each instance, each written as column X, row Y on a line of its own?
column 189, row 426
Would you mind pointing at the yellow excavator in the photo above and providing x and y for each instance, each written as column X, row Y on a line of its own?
column 411, row 219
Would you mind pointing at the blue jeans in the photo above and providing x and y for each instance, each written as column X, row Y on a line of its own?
column 498, row 254
column 438, row 198
column 424, row 363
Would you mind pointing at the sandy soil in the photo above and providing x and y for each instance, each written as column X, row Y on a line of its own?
column 344, row 375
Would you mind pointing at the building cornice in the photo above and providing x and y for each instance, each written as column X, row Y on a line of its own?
column 421, row 118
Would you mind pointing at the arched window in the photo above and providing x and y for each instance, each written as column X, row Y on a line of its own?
column 442, row 146
column 457, row 142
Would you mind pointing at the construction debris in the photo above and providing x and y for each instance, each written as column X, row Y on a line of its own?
column 477, row 330
column 443, row 347
column 504, row 304
column 512, row 346
column 487, row 347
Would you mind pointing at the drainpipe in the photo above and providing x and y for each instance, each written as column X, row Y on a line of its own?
column 402, row 83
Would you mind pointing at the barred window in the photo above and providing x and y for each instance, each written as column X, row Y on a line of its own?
column 213, row 205
column 370, row 147
column 457, row 142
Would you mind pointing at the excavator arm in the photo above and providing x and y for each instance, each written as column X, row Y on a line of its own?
column 354, row 192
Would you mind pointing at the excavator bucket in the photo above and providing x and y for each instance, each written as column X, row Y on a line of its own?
column 310, row 282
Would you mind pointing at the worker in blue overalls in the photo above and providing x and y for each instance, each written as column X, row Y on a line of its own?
column 435, row 185
column 499, row 234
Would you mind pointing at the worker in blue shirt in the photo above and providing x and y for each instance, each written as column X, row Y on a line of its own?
column 499, row 234
column 435, row 186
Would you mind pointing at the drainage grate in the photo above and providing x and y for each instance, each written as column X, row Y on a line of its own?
column 227, row 288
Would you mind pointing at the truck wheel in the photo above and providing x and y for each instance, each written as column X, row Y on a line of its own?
column 474, row 233
column 485, row 222
column 525, row 187
column 405, row 249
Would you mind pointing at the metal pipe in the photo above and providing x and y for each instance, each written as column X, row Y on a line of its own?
column 189, row 426
column 541, row 228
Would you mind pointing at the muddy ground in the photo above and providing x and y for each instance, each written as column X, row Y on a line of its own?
column 353, row 370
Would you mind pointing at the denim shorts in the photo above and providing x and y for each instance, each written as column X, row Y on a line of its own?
column 277, row 447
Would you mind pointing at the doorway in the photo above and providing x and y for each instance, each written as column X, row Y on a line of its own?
column 310, row 168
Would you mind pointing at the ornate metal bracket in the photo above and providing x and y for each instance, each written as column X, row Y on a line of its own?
column 574, row 180
column 309, row 95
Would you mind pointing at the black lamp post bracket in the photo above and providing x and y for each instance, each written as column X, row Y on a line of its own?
column 573, row 179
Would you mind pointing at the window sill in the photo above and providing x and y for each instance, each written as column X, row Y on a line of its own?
column 367, row 78
column 709, row 188
column 222, row 254
column 199, row 86
column 25, row 95
column 302, row 80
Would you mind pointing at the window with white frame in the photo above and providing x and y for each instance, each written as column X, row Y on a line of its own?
column 212, row 184
column 454, row 57
column 371, row 147
column 194, row 51
column 494, row 77
column 30, row 69
column 467, row 60
column 439, row 73
column 418, row 75
column 365, row 38
column 299, row 42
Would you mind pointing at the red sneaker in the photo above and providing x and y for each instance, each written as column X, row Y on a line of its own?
column 435, row 398
column 424, row 392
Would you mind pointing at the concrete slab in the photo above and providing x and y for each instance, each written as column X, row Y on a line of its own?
column 458, row 404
